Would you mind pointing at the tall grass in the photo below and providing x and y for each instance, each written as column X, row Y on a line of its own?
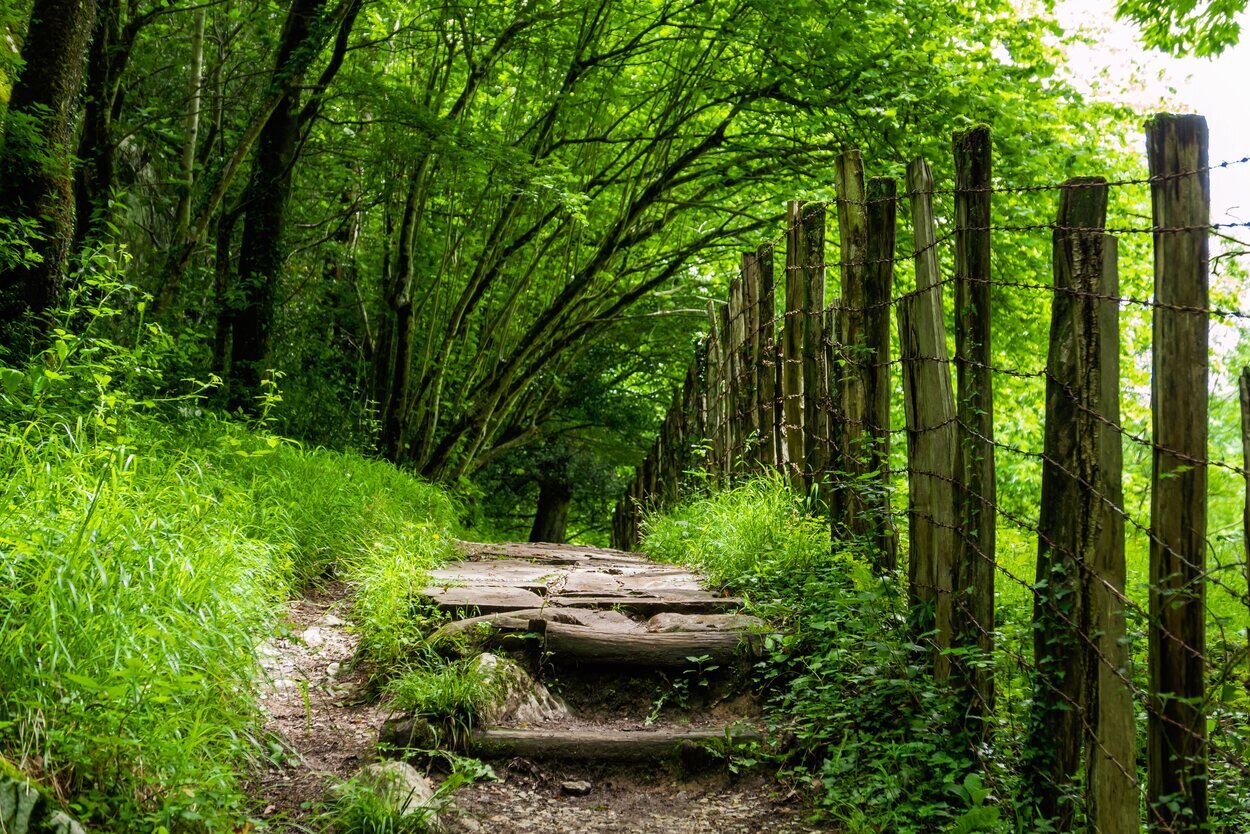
column 752, row 536
column 146, row 549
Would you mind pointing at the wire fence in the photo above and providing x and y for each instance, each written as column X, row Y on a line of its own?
column 1125, row 571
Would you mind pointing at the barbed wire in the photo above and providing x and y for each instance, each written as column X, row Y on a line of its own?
column 769, row 393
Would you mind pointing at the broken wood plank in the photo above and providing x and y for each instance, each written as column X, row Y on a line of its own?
column 601, row 745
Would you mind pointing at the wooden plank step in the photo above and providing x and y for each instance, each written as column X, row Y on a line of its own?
column 602, row 745
column 650, row 650
column 651, row 604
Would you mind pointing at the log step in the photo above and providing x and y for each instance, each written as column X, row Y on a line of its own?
column 647, row 606
column 651, row 650
column 603, row 745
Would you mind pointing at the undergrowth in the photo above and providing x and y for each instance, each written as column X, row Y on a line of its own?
column 146, row 547
column 845, row 681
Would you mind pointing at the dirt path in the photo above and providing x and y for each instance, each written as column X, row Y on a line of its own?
column 315, row 708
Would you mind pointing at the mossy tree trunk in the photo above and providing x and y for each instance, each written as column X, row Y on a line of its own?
column 35, row 165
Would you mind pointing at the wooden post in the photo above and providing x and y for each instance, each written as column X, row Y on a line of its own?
column 700, row 421
column 812, row 255
column 849, row 509
column 1070, row 509
column 1111, row 749
column 831, row 422
column 932, row 442
column 878, row 293
column 974, row 569
column 1244, row 384
column 725, row 374
column 739, row 395
column 766, row 363
column 751, row 359
column 715, row 393
column 792, row 347
column 1177, row 731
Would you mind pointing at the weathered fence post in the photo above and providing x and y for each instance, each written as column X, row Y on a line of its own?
column 848, row 508
column 932, row 443
column 812, row 263
column 792, row 347
column 974, row 569
column 1070, row 509
column 766, row 358
column 751, row 360
column 1177, row 732
column 715, row 392
column 1244, row 386
column 878, row 295
column 1111, row 741
column 734, row 335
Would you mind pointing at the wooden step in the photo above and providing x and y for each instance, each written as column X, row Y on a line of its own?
column 657, row 651
column 581, row 743
column 610, row 644
column 652, row 604
column 603, row 745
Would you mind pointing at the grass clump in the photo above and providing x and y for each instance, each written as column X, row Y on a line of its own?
column 450, row 696
column 379, row 806
column 754, row 537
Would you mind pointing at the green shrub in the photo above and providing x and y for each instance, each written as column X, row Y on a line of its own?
column 845, row 679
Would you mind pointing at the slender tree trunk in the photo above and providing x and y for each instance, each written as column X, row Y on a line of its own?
column 191, row 129
column 35, row 167
column 93, row 181
column 251, row 308
column 551, row 520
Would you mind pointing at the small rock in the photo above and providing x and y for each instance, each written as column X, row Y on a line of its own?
column 331, row 621
column 268, row 649
column 313, row 638
column 576, row 787
column 332, row 670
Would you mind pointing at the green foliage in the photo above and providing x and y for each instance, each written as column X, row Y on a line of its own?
column 756, row 537
column 450, row 696
column 359, row 809
column 847, row 680
column 1186, row 27
column 146, row 547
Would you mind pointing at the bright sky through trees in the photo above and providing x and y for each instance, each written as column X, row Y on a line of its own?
column 1114, row 65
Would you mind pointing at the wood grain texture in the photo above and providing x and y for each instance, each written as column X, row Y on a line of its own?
column 932, row 442
column 1177, row 732
column 975, row 567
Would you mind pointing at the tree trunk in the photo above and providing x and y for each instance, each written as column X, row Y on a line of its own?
column 191, row 129
column 551, row 521
column 250, row 315
column 111, row 47
column 35, row 167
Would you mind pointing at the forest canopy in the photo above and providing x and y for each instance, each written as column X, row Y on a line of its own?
column 467, row 235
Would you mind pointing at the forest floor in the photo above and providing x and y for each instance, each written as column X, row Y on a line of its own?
column 316, row 706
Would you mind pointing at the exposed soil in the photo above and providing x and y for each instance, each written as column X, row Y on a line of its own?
column 315, row 706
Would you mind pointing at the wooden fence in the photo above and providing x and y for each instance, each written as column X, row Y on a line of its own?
column 787, row 380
